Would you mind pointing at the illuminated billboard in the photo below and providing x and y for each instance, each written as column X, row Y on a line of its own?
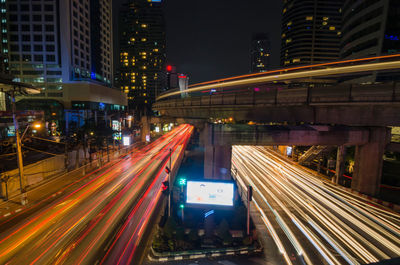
column 211, row 193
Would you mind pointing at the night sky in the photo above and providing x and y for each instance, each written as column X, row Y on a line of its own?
column 210, row 39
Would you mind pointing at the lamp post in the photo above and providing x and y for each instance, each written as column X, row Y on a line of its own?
column 18, row 140
column 12, row 88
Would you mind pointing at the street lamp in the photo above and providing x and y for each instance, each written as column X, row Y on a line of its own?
column 12, row 88
column 35, row 125
column 18, row 139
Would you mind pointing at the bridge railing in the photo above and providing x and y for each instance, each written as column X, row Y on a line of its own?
column 349, row 93
column 316, row 74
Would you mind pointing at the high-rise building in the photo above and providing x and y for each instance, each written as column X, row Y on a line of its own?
column 142, row 53
column 370, row 28
column 65, row 48
column 260, row 53
column 310, row 31
column 101, row 40
column 3, row 38
column 53, row 42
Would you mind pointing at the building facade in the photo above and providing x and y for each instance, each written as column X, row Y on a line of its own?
column 311, row 31
column 63, row 47
column 142, row 53
column 260, row 51
column 3, row 38
column 370, row 28
column 50, row 43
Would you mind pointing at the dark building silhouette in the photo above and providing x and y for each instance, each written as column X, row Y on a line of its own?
column 370, row 28
column 310, row 31
column 142, row 53
column 260, row 53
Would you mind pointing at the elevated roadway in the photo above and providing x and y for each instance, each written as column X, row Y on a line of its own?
column 353, row 105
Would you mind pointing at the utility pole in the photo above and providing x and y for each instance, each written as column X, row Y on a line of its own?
column 170, row 183
column 249, row 199
column 18, row 144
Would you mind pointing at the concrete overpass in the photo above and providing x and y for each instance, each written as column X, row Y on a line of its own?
column 335, row 114
column 353, row 105
column 370, row 145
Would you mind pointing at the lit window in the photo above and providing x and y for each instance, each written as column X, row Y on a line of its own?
column 289, row 23
column 283, row 35
column 339, row 33
column 144, row 26
column 332, row 28
column 288, row 40
column 132, row 39
column 325, row 18
column 284, row 10
column 296, row 60
column 324, row 23
column 144, row 39
column 309, row 18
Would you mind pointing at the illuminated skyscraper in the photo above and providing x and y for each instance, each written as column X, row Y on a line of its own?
column 260, row 53
column 65, row 48
column 310, row 31
column 142, row 53
column 53, row 42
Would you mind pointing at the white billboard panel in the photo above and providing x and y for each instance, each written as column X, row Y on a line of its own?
column 206, row 192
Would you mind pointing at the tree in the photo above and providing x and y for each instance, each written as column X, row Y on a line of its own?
column 193, row 235
column 170, row 227
column 159, row 243
column 223, row 232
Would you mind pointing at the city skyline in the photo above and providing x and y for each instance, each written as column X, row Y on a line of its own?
column 284, row 148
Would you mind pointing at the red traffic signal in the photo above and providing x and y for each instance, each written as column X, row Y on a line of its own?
column 169, row 68
column 167, row 170
column 165, row 187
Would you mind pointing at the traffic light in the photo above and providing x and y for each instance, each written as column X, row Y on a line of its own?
column 249, row 193
column 182, row 181
column 165, row 187
column 169, row 68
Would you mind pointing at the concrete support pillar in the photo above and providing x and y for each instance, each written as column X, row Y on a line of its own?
column 368, row 162
column 217, row 162
column 340, row 163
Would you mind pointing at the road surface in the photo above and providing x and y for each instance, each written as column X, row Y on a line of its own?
column 103, row 220
column 311, row 220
